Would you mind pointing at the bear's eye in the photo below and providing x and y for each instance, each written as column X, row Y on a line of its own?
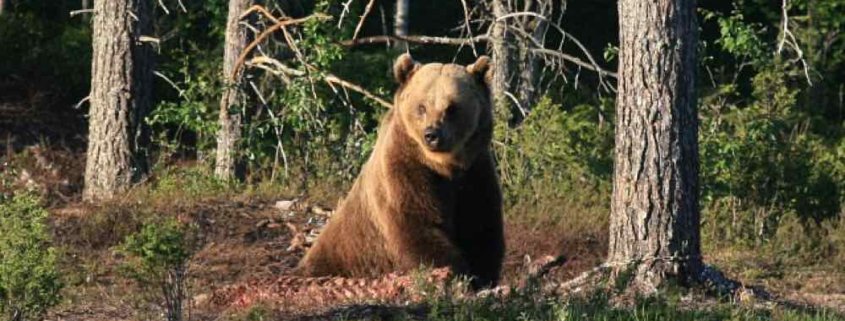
column 421, row 110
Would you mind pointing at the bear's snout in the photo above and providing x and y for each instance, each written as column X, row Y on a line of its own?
column 435, row 138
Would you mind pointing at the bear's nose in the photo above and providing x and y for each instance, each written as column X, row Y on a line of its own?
column 431, row 135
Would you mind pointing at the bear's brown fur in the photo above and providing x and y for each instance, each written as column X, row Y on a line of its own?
column 432, row 201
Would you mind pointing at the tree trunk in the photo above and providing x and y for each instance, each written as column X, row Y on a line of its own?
column 121, row 90
column 86, row 4
column 529, row 77
column 654, row 223
column 400, row 24
column 2, row 6
column 500, row 40
column 229, row 135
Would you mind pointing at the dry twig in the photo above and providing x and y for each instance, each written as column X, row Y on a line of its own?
column 363, row 17
column 266, row 33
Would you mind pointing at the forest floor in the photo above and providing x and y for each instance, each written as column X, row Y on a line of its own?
column 248, row 235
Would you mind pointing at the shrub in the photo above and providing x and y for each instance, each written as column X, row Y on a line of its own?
column 556, row 154
column 766, row 177
column 29, row 279
column 157, row 259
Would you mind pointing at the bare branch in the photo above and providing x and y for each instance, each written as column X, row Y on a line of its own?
column 788, row 39
column 332, row 79
column 575, row 60
column 170, row 82
column 163, row 7
column 428, row 40
column 468, row 28
column 425, row 40
column 75, row 13
column 266, row 33
column 363, row 17
column 343, row 12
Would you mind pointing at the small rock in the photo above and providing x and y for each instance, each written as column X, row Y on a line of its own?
column 285, row 205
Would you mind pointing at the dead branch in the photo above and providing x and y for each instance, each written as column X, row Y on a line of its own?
column 266, row 33
column 277, row 68
column 332, row 79
column 574, row 60
column 428, row 40
column 468, row 28
column 788, row 39
column 424, row 40
column 343, row 12
column 260, row 9
column 363, row 18
column 75, row 13
column 544, row 265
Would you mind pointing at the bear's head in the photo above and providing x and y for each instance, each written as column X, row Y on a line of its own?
column 445, row 108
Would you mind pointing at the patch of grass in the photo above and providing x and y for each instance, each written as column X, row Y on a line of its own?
column 191, row 182
column 528, row 306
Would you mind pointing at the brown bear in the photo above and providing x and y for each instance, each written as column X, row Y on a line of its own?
column 429, row 194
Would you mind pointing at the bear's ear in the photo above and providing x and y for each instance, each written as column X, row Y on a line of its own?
column 481, row 70
column 404, row 68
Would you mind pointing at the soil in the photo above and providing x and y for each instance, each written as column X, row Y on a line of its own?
column 247, row 240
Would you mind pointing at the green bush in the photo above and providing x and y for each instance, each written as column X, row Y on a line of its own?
column 556, row 154
column 765, row 174
column 29, row 279
column 157, row 259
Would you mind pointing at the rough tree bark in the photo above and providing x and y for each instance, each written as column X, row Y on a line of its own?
column 121, row 90
column 654, row 224
column 500, row 41
column 529, row 76
column 229, row 134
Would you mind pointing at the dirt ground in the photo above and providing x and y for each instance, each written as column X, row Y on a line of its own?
column 246, row 240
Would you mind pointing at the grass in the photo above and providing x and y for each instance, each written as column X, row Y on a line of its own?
column 528, row 306
column 544, row 221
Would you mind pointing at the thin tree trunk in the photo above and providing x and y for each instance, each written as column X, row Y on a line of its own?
column 121, row 90
column 654, row 224
column 229, row 134
column 400, row 25
column 86, row 4
column 2, row 6
column 529, row 77
column 500, row 40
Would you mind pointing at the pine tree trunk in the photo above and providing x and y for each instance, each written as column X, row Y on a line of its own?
column 121, row 90
column 400, row 22
column 500, row 41
column 654, row 224
column 229, row 135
